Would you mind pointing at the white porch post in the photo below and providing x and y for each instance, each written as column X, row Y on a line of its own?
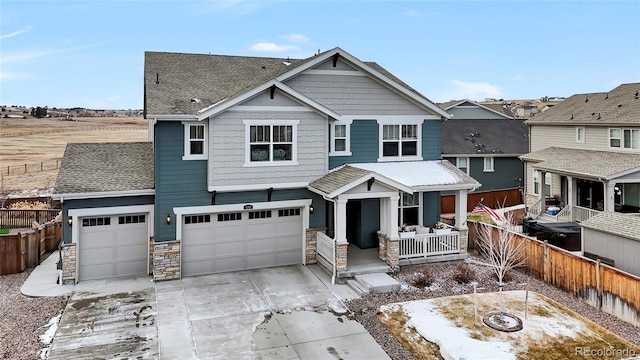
column 461, row 210
column 609, row 196
column 340, row 221
column 571, row 195
column 393, row 217
column 543, row 185
column 384, row 209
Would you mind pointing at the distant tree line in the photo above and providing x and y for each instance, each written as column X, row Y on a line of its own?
column 39, row 112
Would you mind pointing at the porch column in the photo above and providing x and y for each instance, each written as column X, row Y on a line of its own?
column 461, row 210
column 393, row 217
column 543, row 186
column 570, row 192
column 384, row 215
column 341, row 220
column 609, row 196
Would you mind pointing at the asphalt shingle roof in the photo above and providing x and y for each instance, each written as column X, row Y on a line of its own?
column 615, row 223
column 618, row 106
column 601, row 164
column 338, row 178
column 495, row 136
column 105, row 167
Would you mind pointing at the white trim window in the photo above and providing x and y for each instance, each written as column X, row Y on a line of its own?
column 624, row 138
column 462, row 163
column 580, row 134
column 340, row 138
column 488, row 164
column 270, row 143
column 400, row 139
column 409, row 209
column 195, row 141
column 536, row 182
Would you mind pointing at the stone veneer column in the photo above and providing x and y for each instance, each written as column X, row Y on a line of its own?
column 311, row 247
column 166, row 260
column 393, row 252
column 464, row 240
column 68, row 263
column 341, row 256
column 382, row 246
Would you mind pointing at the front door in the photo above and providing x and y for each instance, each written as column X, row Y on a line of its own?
column 363, row 222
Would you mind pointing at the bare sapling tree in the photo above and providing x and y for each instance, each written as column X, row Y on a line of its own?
column 501, row 249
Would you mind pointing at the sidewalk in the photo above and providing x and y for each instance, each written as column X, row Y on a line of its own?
column 42, row 282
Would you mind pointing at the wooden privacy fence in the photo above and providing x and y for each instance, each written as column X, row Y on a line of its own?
column 604, row 287
column 24, row 218
column 23, row 250
column 491, row 198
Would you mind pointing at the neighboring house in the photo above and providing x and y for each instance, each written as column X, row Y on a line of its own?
column 614, row 238
column 262, row 162
column 526, row 110
column 585, row 151
column 485, row 144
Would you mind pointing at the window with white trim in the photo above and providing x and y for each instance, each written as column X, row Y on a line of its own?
column 270, row 142
column 624, row 138
column 409, row 209
column 547, row 184
column 399, row 140
column 488, row 164
column 462, row 163
column 195, row 141
column 580, row 134
column 536, row 182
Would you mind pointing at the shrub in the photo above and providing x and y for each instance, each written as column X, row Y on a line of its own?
column 422, row 278
column 464, row 274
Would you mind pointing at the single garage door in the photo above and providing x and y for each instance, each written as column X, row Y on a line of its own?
column 213, row 243
column 111, row 246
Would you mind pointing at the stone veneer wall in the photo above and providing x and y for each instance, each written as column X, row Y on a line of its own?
column 166, row 260
column 382, row 246
column 464, row 240
column 341, row 256
column 311, row 247
column 393, row 253
column 68, row 263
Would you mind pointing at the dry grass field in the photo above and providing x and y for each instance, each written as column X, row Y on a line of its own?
column 38, row 143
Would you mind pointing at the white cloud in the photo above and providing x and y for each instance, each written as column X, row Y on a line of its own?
column 518, row 77
column 412, row 13
column 476, row 91
column 23, row 55
column 15, row 33
column 15, row 76
column 295, row 38
column 272, row 47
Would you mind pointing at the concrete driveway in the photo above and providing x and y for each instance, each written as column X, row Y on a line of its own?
column 290, row 312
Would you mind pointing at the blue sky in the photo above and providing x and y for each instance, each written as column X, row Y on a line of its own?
column 91, row 53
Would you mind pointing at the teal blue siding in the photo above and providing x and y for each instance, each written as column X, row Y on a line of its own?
column 508, row 172
column 178, row 182
column 431, row 145
column 316, row 220
column 98, row 203
column 430, row 208
column 364, row 144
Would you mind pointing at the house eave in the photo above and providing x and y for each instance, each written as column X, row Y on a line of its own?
column 103, row 194
column 172, row 117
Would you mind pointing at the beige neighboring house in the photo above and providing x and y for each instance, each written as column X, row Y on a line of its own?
column 585, row 156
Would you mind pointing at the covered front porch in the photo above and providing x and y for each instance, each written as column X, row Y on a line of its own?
column 384, row 215
column 572, row 185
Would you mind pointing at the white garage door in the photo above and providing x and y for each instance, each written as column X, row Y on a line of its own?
column 222, row 242
column 111, row 246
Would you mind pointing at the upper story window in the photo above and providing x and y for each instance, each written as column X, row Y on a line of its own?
column 580, row 134
column 340, row 135
column 463, row 164
column 488, row 164
column 270, row 143
column 400, row 138
column 624, row 138
column 195, row 141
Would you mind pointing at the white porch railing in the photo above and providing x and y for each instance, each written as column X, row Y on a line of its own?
column 326, row 248
column 424, row 245
column 565, row 214
column 582, row 213
column 536, row 208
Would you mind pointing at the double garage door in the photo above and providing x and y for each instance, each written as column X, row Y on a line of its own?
column 214, row 243
column 112, row 246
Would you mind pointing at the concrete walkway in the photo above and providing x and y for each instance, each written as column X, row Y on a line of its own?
column 291, row 312
column 42, row 282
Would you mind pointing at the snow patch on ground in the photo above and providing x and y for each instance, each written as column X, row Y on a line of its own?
column 48, row 335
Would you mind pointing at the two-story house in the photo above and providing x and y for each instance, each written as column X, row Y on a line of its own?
column 257, row 162
column 486, row 144
column 585, row 152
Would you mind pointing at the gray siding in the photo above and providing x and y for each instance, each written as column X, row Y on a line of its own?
column 543, row 136
column 430, row 208
column 353, row 95
column 279, row 99
column 178, row 182
column 472, row 113
column 623, row 251
column 340, row 65
column 98, row 203
column 227, row 150
column 364, row 144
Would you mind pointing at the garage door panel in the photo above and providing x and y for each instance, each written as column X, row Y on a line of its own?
column 228, row 233
column 130, row 236
column 98, row 271
column 288, row 243
column 198, row 251
column 198, row 267
column 232, row 263
column 229, row 248
column 261, row 260
column 132, row 267
column 289, row 257
column 261, row 245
